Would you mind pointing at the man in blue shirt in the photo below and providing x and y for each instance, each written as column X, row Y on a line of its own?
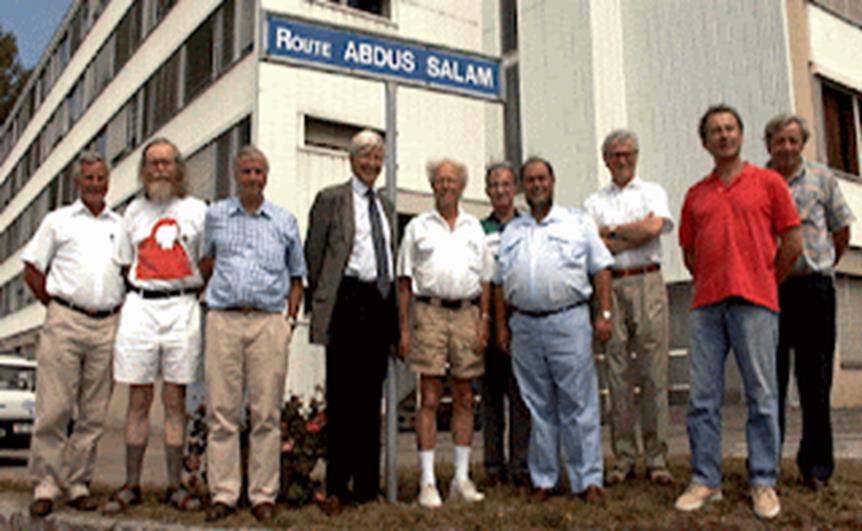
column 547, row 260
column 255, row 265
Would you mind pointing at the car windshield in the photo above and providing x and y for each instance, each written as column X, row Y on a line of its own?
column 17, row 378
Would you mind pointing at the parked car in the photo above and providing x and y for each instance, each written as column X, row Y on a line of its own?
column 17, row 401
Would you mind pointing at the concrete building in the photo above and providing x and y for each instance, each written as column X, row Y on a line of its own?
column 589, row 66
column 118, row 72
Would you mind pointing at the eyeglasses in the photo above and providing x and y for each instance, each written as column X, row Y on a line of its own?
column 622, row 154
column 153, row 163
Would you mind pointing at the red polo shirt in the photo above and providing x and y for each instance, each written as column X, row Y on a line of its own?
column 733, row 232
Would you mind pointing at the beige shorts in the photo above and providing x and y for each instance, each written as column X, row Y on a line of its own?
column 444, row 339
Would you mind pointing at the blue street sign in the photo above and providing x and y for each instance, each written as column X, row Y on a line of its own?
column 379, row 57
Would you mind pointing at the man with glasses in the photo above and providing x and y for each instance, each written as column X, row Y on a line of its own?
column 632, row 214
column 159, row 331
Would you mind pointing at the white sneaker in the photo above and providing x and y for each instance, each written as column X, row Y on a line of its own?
column 765, row 501
column 464, row 490
column 695, row 497
column 429, row 497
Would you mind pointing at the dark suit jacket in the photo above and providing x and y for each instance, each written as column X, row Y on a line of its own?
column 328, row 246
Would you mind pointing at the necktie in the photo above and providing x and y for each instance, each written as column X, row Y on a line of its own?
column 379, row 245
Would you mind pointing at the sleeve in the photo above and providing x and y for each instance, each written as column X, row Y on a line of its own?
column 784, row 214
column 41, row 249
column 838, row 213
column 659, row 207
column 295, row 259
column 208, row 248
column 124, row 251
column 405, row 253
column 598, row 256
column 319, row 219
column 687, row 228
column 488, row 262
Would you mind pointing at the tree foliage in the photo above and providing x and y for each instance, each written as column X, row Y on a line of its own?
column 13, row 76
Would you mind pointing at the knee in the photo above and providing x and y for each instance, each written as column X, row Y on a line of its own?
column 140, row 399
column 430, row 401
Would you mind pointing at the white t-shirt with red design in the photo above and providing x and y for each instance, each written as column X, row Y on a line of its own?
column 162, row 243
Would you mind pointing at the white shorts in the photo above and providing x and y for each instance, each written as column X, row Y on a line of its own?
column 158, row 336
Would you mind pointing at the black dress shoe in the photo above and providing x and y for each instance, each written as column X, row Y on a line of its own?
column 815, row 484
column 41, row 507
column 218, row 511
column 83, row 503
column 263, row 512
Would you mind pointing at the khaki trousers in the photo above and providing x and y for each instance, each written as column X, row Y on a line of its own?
column 637, row 355
column 74, row 358
column 245, row 352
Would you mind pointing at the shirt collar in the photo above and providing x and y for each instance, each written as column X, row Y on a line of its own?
column 633, row 184
column 358, row 186
column 458, row 221
column 235, row 208
column 78, row 207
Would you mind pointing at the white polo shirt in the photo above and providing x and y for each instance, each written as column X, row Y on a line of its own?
column 162, row 244
column 443, row 262
column 76, row 248
column 612, row 205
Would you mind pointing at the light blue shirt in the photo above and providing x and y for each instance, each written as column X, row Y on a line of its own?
column 256, row 255
column 546, row 265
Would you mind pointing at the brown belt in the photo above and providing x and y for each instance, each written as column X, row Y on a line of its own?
column 95, row 314
column 631, row 271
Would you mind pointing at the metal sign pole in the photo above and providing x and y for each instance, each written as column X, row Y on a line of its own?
column 391, row 379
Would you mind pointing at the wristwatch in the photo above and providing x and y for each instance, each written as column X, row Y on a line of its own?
column 606, row 315
column 292, row 322
column 612, row 231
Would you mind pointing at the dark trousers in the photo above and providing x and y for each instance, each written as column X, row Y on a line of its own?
column 807, row 328
column 498, row 387
column 360, row 335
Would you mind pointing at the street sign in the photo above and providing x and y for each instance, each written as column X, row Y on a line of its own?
column 382, row 57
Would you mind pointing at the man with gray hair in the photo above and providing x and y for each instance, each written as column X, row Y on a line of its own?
column 806, row 324
column 253, row 259
column 499, row 386
column 349, row 250
column 631, row 215
column 159, row 331
column 444, row 274
column 69, row 268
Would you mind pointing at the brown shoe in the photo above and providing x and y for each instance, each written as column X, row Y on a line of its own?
column 83, row 503
column 661, row 476
column 595, row 495
column 263, row 512
column 331, row 506
column 218, row 511
column 41, row 507
column 538, row 495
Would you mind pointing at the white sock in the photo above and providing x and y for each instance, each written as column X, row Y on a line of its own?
column 426, row 463
column 462, row 463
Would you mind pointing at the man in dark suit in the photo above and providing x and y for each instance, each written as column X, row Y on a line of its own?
column 349, row 251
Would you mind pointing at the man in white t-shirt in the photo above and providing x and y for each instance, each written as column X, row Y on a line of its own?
column 69, row 268
column 632, row 214
column 159, row 332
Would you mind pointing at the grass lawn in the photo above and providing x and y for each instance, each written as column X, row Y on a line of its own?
column 634, row 504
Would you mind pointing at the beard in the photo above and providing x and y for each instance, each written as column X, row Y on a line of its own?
column 542, row 204
column 160, row 191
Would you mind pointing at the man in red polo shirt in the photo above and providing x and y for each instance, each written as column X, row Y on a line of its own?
column 739, row 232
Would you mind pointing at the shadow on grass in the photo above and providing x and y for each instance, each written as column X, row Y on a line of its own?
column 634, row 504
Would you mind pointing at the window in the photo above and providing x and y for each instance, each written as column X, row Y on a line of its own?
column 328, row 134
column 228, row 28
column 128, row 34
column 199, row 59
column 376, row 7
column 161, row 95
column 841, row 114
column 246, row 31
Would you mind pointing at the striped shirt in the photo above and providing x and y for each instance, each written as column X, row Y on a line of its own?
column 255, row 255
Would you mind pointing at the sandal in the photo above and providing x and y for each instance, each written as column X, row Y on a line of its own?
column 181, row 499
column 121, row 500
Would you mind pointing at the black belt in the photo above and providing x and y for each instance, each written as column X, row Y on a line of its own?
column 631, row 271
column 154, row 294
column 95, row 314
column 451, row 304
column 242, row 309
column 549, row 312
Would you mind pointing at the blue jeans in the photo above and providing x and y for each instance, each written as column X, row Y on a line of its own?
column 554, row 366
column 752, row 332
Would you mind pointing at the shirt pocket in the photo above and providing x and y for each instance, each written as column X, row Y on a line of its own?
column 509, row 251
column 571, row 251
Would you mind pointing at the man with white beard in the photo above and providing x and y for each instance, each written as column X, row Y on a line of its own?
column 159, row 330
